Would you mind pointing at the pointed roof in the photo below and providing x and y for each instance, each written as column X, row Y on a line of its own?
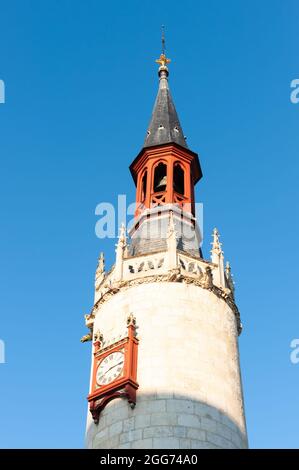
column 164, row 126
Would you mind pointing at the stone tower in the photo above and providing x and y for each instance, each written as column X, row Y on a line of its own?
column 165, row 367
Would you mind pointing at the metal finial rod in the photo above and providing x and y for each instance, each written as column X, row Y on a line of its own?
column 163, row 39
column 163, row 61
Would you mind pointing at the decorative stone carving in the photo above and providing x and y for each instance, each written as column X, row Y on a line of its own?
column 229, row 278
column 190, row 270
column 100, row 272
column 191, row 266
column 217, row 259
column 86, row 338
column 101, row 264
column 120, row 254
column 89, row 320
column 131, row 320
column 205, row 281
column 146, row 264
column 174, row 275
column 98, row 336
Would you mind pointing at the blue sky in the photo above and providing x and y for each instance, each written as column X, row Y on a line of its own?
column 80, row 85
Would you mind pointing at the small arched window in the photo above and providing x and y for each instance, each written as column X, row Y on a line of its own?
column 160, row 178
column 143, row 186
column 178, row 179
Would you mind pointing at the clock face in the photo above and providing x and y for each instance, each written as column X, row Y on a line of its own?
column 110, row 368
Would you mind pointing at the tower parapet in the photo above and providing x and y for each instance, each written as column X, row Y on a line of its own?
column 169, row 265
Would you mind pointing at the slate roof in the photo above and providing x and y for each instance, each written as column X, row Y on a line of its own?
column 164, row 126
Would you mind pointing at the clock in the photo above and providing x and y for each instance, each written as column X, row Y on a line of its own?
column 110, row 368
column 114, row 370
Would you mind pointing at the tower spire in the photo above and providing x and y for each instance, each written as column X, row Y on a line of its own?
column 164, row 126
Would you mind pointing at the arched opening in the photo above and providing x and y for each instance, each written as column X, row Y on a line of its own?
column 143, row 186
column 160, row 178
column 178, row 179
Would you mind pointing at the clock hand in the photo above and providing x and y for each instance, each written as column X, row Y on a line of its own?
column 113, row 367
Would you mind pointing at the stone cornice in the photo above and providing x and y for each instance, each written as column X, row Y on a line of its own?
column 174, row 275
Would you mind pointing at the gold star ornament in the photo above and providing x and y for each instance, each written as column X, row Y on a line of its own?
column 163, row 61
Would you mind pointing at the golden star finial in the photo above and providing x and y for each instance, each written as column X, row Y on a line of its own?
column 163, row 61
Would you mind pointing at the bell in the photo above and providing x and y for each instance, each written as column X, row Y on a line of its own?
column 161, row 186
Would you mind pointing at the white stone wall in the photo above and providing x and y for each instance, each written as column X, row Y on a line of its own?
column 190, row 393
